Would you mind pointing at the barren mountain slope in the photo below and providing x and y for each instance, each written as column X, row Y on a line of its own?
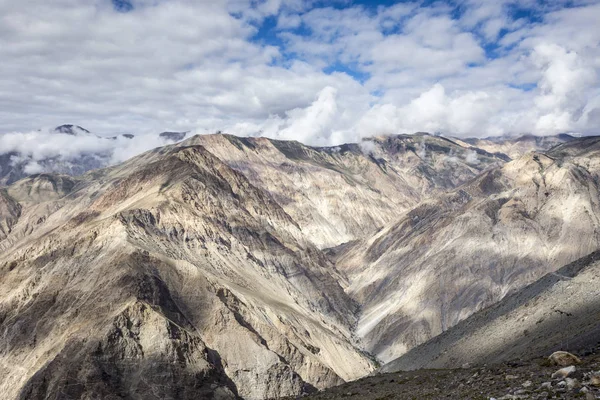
column 515, row 147
column 168, row 276
column 561, row 311
column 10, row 211
column 338, row 194
column 457, row 254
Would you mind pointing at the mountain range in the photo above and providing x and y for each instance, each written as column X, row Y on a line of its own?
column 15, row 165
column 231, row 267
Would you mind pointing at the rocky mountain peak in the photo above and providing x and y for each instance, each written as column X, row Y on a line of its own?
column 70, row 129
column 173, row 136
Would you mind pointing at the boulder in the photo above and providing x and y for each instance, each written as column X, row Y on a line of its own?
column 563, row 359
column 595, row 379
column 564, row 372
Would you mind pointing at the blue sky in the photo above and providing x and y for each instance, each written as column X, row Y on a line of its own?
column 268, row 32
column 319, row 72
column 122, row 5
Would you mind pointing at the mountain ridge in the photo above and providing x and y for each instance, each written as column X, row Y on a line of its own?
column 255, row 268
column 136, row 210
column 507, row 227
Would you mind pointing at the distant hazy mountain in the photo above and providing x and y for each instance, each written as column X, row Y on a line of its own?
column 515, row 147
column 15, row 166
column 173, row 136
column 71, row 130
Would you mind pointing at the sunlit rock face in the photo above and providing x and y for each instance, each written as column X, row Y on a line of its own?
column 341, row 193
column 249, row 267
column 515, row 147
column 169, row 275
column 464, row 250
column 10, row 211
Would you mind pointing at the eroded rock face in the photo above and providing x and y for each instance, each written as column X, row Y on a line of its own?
column 169, row 275
column 189, row 272
column 41, row 188
column 342, row 193
column 10, row 211
column 452, row 256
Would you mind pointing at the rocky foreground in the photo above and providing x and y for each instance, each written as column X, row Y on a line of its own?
column 536, row 379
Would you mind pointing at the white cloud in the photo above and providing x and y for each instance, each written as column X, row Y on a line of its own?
column 367, row 147
column 33, row 167
column 185, row 65
column 563, row 87
column 32, row 148
column 43, row 144
column 314, row 122
column 471, row 157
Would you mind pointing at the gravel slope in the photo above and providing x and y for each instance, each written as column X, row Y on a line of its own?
column 559, row 311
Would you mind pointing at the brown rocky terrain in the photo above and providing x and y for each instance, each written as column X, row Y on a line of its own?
column 167, row 276
column 338, row 194
column 502, row 352
column 561, row 311
column 226, row 267
column 464, row 250
column 531, row 379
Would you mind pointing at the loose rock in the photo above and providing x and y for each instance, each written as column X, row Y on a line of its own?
column 573, row 383
column 564, row 359
column 564, row 372
column 546, row 385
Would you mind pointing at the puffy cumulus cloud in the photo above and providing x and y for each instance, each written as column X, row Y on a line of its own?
column 488, row 71
column 329, row 119
column 315, row 122
column 462, row 113
column 292, row 69
column 563, row 87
